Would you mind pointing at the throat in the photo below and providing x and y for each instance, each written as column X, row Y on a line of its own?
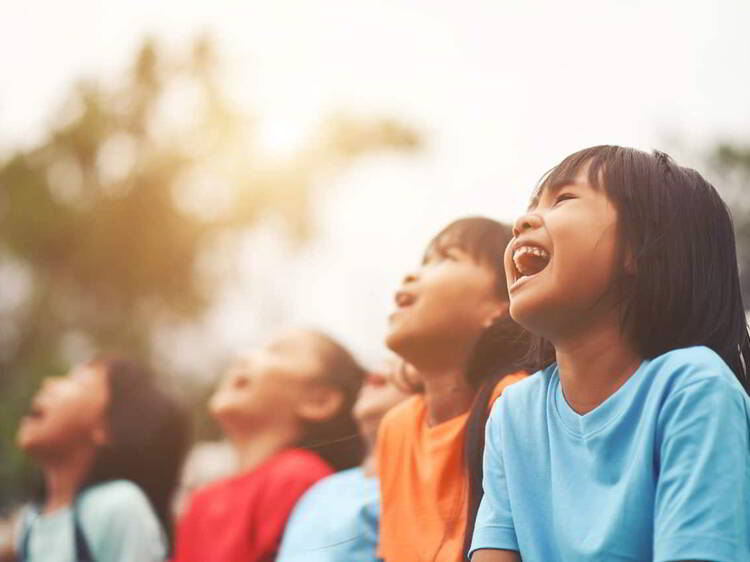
column 447, row 396
column 592, row 372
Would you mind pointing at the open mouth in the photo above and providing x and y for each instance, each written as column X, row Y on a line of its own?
column 35, row 412
column 529, row 260
column 404, row 299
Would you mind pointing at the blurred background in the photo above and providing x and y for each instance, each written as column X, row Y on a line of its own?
column 180, row 179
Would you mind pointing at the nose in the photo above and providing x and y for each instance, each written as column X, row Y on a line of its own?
column 529, row 221
column 410, row 278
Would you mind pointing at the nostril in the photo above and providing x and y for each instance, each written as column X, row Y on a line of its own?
column 410, row 278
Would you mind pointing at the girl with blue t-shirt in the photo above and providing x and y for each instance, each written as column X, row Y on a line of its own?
column 632, row 442
column 109, row 444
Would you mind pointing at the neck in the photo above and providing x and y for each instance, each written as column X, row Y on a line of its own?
column 369, row 465
column 594, row 365
column 63, row 477
column 255, row 447
column 369, row 435
column 447, row 394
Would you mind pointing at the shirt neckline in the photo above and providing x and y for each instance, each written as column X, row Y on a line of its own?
column 601, row 416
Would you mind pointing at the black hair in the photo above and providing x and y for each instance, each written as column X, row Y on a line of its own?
column 502, row 348
column 337, row 440
column 677, row 279
column 149, row 435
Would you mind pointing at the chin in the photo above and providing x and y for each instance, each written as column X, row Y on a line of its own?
column 392, row 340
column 527, row 315
column 397, row 342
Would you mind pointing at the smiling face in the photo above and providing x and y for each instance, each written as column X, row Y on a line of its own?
column 560, row 264
column 67, row 412
column 443, row 307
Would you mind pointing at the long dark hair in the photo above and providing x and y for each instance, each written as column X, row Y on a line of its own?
column 337, row 440
column 677, row 278
column 502, row 348
column 149, row 435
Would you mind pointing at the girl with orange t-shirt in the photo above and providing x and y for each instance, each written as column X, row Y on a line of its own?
column 452, row 324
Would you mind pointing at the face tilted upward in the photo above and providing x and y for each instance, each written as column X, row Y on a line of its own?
column 560, row 264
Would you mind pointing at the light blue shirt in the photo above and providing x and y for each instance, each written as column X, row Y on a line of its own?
column 116, row 520
column 659, row 471
column 335, row 521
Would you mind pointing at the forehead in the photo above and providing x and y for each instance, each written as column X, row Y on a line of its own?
column 294, row 350
column 88, row 373
column 459, row 240
column 582, row 176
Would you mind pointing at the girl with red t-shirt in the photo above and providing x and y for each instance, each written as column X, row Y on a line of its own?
column 286, row 409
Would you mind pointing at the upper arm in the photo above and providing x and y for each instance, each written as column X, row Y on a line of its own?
column 486, row 555
column 494, row 527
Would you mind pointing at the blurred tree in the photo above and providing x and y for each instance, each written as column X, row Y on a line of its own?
column 103, row 224
column 731, row 163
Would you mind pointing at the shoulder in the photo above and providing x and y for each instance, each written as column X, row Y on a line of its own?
column 528, row 388
column 118, row 517
column 504, row 383
column 296, row 463
column 115, row 497
column 340, row 483
column 407, row 410
column 688, row 370
column 697, row 359
column 523, row 399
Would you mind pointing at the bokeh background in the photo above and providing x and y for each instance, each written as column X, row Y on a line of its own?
column 180, row 179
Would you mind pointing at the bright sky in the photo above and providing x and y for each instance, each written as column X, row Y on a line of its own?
column 503, row 90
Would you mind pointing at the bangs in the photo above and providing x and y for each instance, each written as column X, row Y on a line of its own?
column 676, row 279
column 597, row 162
column 483, row 239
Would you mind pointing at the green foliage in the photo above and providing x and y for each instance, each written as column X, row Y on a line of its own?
column 110, row 214
column 731, row 162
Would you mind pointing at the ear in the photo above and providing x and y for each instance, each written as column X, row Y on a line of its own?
column 100, row 435
column 498, row 310
column 319, row 403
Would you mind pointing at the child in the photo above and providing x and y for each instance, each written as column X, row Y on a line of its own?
column 633, row 444
column 286, row 409
column 337, row 519
column 452, row 325
column 109, row 444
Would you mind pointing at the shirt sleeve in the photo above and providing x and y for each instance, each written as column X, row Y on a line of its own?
column 703, row 488
column 494, row 527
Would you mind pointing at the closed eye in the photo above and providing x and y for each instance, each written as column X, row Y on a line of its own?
column 565, row 196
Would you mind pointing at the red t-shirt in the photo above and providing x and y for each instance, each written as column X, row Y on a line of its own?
column 242, row 518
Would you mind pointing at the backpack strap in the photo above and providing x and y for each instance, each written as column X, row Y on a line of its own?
column 83, row 552
column 23, row 547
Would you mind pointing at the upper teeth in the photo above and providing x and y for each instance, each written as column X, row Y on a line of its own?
column 536, row 250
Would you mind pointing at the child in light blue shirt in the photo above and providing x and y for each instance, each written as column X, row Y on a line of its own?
column 658, row 471
column 109, row 444
column 633, row 441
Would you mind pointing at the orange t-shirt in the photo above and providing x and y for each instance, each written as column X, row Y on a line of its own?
column 423, row 485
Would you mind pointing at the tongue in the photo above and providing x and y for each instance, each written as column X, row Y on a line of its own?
column 530, row 264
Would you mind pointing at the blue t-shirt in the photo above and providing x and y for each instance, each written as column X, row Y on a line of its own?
column 335, row 521
column 658, row 471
